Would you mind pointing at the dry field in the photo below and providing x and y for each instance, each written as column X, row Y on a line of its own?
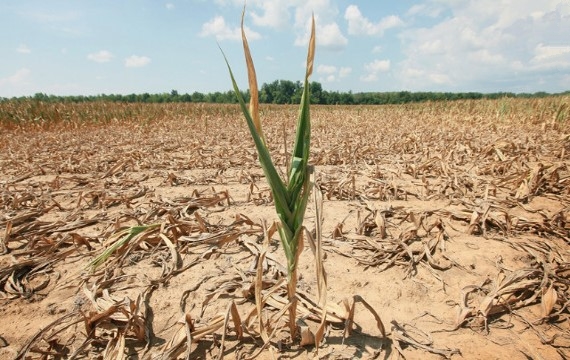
column 450, row 220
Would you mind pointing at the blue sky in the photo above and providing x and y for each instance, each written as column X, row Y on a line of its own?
column 134, row 46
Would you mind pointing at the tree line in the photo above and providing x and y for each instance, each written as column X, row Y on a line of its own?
column 287, row 92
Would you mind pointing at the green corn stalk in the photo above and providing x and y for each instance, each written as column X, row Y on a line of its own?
column 290, row 197
column 120, row 239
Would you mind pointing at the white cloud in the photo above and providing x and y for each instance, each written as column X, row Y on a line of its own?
column 329, row 37
column 432, row 10
column 378, row 65
column 273, row 14
column 544, row 53
column 344, row 71
column 432, row 46
column 331, row 73
column 434, row 76
column 439, row 78
column 374, row 68
column 19, row 78
column 325, row 12
column 484, row 56
column 23, row 49
column 360, row 25
column 169, row 6
column 551, row 58
column 413, row 73
column 277, row 14
column 137, row 61
column 102, row 56
column 329, row 34
column 217, row 27
column 416, row 9
column 485, row 44
column 326, row 69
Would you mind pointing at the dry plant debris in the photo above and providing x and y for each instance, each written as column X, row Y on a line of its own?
column 455, row 209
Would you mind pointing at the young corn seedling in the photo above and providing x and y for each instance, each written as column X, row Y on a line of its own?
column 118, row 240
column 291, row 195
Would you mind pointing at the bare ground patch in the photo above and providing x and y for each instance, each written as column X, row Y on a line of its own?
column 449, row 219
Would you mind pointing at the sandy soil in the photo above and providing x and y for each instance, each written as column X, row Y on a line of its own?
column 454, row 230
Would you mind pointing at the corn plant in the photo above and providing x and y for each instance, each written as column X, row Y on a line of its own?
column 291, row 195
column 119, row 240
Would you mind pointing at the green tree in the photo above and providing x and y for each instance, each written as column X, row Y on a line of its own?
column 316, row 93
column 174, row 96
column 198, row 97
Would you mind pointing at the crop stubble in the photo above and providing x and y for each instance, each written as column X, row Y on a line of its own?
column 451, row 220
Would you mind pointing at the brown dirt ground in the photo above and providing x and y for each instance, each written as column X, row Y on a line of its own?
column 424, row 206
